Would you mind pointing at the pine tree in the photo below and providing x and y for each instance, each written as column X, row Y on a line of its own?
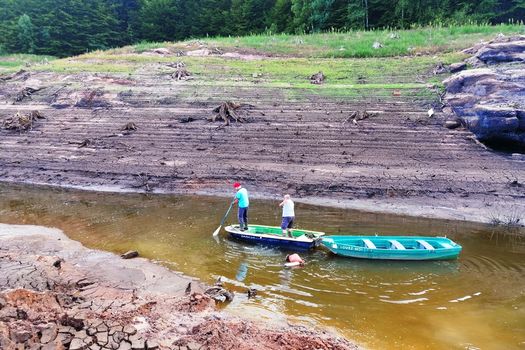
column 25, row 34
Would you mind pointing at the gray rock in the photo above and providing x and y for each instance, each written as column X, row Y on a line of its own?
column 49, row 334
column 489, row 111
column 491, row 126
column 457, row 67
column 64, row 338
column 452, row 124
column 458, row 82
column 130, row 254
column 490, row 100
column 20, row 335
column 502, row 52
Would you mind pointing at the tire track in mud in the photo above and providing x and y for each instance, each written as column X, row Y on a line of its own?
column 309, row 147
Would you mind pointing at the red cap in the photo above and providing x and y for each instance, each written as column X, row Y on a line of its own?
column 236, row 184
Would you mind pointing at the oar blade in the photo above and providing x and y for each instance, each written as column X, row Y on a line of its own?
column 216, row 232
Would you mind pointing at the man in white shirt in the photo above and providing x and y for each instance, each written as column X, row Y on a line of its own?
column 288, row 215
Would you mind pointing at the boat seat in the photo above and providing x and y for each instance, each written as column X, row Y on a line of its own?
column 446, row 245
column 425, row 244
column 369, row 244
column 396, row 244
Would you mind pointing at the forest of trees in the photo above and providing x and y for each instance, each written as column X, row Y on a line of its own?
column 68, row 27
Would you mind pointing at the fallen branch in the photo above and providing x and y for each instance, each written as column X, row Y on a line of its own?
column 26, row 92
column 23, row 74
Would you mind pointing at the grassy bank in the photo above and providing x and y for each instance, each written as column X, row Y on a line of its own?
column 348, row 60
column 425, row 40
column 15, row 62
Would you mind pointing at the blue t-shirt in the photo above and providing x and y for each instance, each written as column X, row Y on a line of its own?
column 242, row 196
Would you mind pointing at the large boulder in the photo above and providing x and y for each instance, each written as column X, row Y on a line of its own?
column 490, row 100
column 513, row 51
column 466, row 79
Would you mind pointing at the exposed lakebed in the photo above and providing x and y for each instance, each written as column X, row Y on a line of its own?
column 478, row 300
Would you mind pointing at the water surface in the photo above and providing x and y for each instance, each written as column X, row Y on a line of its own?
column 477, row 301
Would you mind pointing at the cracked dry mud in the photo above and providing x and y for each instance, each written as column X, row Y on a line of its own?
column 56, row 294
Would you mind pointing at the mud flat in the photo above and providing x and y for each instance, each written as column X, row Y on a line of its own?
column 122, row 122
column 57, row 294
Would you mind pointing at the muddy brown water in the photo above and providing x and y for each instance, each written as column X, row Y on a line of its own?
column 477, row 301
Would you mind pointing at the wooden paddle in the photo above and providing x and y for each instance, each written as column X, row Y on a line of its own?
column 216, row 232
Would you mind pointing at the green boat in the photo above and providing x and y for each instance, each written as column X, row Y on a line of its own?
column 272, row 236
column 393, row 247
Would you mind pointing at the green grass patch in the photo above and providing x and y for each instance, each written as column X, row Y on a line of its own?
column 74, row 66
column 13, row 63
column 360, row 43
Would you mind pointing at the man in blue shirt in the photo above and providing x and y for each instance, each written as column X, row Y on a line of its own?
column 241, row 197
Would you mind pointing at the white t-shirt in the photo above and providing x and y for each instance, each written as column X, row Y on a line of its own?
column 288, row 208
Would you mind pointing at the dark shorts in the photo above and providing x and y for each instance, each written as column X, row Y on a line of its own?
column 287, row 222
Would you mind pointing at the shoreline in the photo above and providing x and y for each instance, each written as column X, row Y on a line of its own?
column 58, row 294
column 469, row 210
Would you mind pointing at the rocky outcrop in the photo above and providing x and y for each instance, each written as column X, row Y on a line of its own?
column 490, row 99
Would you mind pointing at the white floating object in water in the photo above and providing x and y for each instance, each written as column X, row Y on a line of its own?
column 292, row 264
column 430, row 112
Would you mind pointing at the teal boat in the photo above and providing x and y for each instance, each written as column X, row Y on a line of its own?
column 392, row 247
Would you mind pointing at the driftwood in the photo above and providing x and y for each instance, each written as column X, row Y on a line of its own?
column 129, row 127
column 21, row 74
column 91, row 99
column 181, row 73
column 143, row 181
column 26, row 92
column 228, row 111
column 358, row 115
column 22, row 122
column 317, row 78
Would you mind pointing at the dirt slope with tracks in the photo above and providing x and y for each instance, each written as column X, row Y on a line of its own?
column 146, row 130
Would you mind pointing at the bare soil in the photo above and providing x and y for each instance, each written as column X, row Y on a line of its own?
column 57, row 294
column 397, row 160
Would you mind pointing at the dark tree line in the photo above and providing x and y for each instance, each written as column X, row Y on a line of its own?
column 68, row 27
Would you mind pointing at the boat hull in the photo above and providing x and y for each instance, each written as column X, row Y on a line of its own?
column 274, row 239
column 439, row 248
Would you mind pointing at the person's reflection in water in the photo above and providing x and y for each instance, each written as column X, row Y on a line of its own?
column 242, row 272
column 286, row 277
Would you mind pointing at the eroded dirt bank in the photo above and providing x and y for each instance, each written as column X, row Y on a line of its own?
column 57, row 294
column 148, row 131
